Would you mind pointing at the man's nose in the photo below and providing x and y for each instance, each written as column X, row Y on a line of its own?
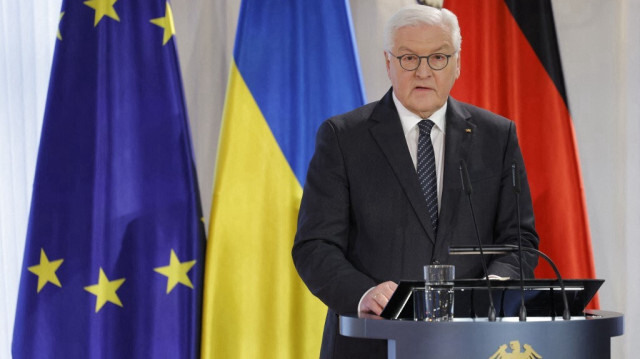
column 423, row 69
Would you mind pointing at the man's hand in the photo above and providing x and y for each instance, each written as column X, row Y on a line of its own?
column 377, row 298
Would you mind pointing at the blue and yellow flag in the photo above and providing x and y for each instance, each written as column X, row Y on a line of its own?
column 114, row 253
column 294, row 65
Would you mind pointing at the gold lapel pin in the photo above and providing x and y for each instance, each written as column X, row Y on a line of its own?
column 467, row 130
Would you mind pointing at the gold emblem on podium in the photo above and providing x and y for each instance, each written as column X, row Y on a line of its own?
column 515, row 353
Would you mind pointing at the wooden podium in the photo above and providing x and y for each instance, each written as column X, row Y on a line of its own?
column 587, row 336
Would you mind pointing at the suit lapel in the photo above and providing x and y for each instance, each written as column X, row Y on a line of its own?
column 459, row 136
column 388, row 133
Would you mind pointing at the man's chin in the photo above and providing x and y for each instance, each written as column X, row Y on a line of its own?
column 425, row 103
column 424, row 111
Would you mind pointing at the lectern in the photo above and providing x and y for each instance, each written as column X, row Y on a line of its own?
column 544, row 335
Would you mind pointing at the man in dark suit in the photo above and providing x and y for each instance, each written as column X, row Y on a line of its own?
column 383, row 195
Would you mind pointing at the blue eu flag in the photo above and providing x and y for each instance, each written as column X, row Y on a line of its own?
column 114, row 253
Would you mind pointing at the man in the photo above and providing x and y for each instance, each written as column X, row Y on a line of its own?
column 383, row 195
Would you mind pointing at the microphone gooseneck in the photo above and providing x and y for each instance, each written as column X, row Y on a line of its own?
column 515, row 179
column 510, row 248
column 466, row 187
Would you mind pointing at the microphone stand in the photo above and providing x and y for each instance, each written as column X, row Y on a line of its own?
column 466, row 187
column 510, row 248
column 515, row 177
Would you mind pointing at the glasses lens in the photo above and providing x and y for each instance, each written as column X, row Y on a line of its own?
column 437, row 61
column 409, row 62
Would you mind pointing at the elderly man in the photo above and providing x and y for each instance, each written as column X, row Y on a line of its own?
column 383, row 195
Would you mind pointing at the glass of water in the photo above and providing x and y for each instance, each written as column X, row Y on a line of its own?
column 438, row 302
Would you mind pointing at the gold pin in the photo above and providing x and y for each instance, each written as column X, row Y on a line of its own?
column 467, row 130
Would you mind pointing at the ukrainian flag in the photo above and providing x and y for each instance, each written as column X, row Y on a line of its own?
column 295, row 64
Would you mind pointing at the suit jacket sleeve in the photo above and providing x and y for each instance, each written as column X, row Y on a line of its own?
column 322, row 238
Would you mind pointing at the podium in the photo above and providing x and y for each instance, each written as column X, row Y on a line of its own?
column 587, row 336
column 470, row 335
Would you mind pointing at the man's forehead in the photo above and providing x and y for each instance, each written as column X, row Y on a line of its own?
column 421, row 37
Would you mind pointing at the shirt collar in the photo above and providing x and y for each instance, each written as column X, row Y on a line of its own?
column 410, row 120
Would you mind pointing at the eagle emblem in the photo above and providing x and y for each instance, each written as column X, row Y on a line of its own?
column 515, row 353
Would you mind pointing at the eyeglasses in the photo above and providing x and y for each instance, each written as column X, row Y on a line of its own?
column 411, row 62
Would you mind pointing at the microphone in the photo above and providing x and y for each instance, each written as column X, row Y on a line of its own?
column 466, row 187
column 510, row 248
column 515, row 177
column 515, row 180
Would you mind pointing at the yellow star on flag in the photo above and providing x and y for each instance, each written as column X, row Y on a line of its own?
column 166, row 23
column 46, row 271
column 59, row 35
column 105, row 290
column 176, row 272
column 102, row 8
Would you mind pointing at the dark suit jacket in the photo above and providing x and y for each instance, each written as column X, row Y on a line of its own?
column 363, row 219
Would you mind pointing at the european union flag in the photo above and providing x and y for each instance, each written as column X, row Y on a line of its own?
column 114, row 253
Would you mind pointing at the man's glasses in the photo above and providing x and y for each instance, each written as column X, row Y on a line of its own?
column 411, row 62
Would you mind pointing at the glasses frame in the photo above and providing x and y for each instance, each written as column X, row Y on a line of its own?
column 420, row 60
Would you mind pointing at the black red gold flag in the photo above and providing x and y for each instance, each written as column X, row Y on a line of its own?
column 510, row 64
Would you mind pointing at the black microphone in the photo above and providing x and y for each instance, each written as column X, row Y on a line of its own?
column 510, row 248
column 515, row 180
column 515, row 177
column 466, row 187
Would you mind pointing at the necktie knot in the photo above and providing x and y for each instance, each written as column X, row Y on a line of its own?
column 426, row 126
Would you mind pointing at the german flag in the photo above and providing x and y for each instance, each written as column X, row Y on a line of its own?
column 511, row 66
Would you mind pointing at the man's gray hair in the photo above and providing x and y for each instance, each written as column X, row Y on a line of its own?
column 412, row 15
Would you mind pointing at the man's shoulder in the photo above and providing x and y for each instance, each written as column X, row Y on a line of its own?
column 478, row 115
column 354, row 117
column 354, row 121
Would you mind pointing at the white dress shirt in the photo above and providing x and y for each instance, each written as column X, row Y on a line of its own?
column 409, row 122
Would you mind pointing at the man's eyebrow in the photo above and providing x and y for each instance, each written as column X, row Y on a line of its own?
column 441, row 48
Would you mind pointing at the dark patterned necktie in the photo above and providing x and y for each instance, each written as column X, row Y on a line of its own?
column 427, row 171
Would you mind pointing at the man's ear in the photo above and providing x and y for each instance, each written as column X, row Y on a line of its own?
column 387, row 61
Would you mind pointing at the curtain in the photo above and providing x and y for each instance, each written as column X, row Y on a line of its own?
column 27, row 38
column 603, row 99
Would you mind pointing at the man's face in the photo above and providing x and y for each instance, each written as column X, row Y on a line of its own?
column 422, row 91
